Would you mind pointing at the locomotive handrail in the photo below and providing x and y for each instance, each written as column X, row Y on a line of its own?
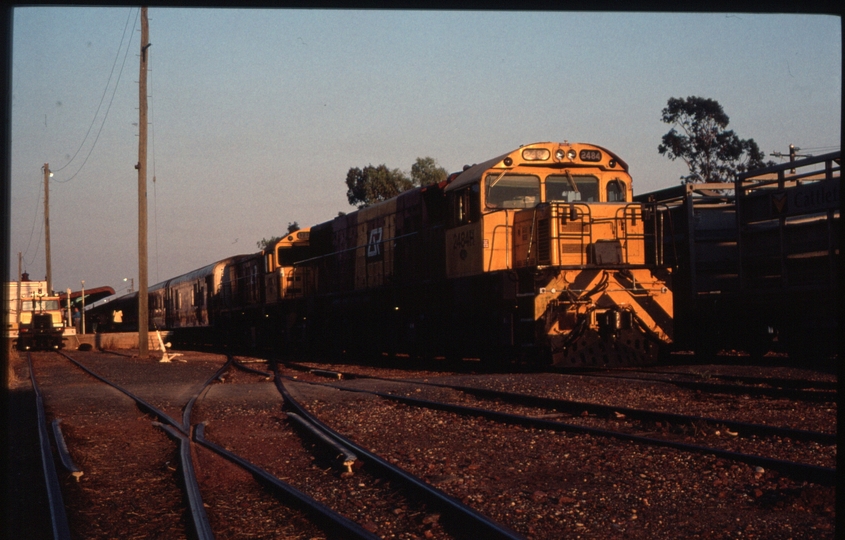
column 574, row 210
column 630, row 236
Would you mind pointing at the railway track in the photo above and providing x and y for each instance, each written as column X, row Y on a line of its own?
column 183, row 514
column 758, row 387
column 125, row 456
column 573, row 408
column 688, row 433
column 706, row 374
column 377, row 488
column 386, row 482
column 532, row 478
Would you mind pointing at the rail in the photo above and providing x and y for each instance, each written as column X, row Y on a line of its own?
column 478, row 524
column 58, row 517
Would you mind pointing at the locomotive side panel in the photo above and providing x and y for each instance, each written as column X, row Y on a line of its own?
column 375, row 245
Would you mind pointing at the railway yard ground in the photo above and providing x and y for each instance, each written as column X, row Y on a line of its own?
column 689, row 450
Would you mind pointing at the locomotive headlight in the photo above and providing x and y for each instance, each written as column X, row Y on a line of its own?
column 611, row 163
column 559, row 154
column 508, row 162
column 571, row 154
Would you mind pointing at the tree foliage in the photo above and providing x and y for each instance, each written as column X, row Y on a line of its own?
column 425, row 171
column 264, row 243
column 374, row 184
column 712, row 153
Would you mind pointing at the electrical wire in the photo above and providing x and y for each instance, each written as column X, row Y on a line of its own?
column 103, row 97
column 34, row 221
column 106, row 115
column 820, row 148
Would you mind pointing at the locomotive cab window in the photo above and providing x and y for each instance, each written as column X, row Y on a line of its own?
column 616, row 191
column 572, row 187
column 288, row 256
column 512, row 190
column 465, row 206
column 29, row 305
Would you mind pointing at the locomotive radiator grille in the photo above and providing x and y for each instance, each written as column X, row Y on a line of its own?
column 544, row 247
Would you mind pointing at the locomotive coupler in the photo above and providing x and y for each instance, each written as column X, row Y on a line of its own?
column 613, row 320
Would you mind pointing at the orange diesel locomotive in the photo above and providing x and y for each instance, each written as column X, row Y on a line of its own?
column 536, row 254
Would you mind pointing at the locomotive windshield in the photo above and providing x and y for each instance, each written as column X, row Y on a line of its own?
column 572, row 187
column 27, row 305
column 512, row 190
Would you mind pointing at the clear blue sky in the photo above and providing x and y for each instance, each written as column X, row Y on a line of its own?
column 257, row 115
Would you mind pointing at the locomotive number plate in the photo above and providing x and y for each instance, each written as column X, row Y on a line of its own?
column 590, row 155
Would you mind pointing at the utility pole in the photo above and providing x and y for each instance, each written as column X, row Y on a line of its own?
column 20, row 302
column 47, row 175
column 143, row 308
column 82, row 309
column 793, row 153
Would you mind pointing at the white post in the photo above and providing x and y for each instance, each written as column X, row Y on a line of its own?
column 68, row 308
column 82, row 311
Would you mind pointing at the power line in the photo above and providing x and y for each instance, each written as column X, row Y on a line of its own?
column 35, row 253
column 822, row 148
column 102, row 98
column 105, row 117
column 34, row 220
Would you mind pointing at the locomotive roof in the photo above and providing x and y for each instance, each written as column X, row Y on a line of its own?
column 474, row 173
column 206, row 270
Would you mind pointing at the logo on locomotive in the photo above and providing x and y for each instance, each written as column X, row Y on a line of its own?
column 374, row 244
